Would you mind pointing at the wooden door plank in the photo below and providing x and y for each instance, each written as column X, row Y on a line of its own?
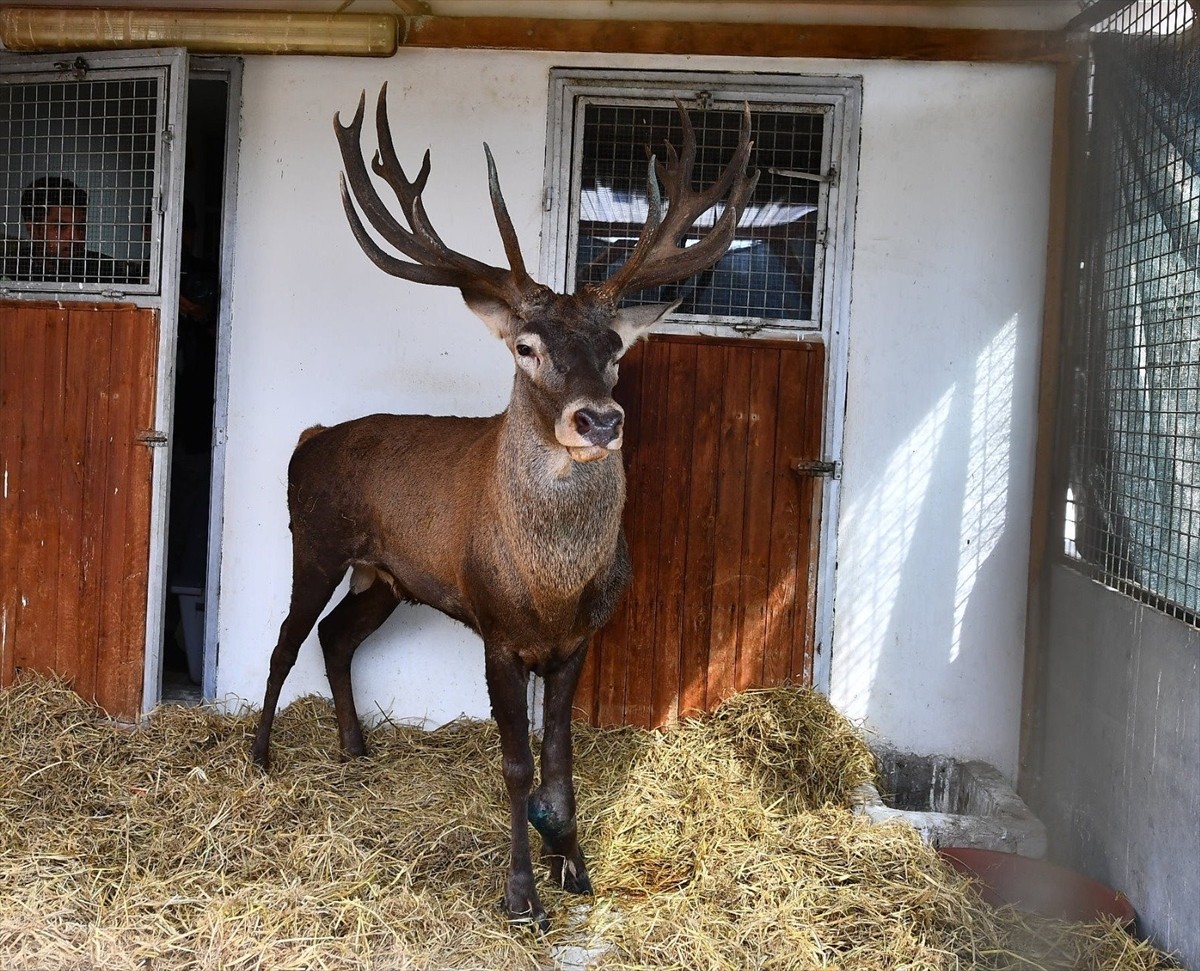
column 610, row 663
column 67, row 565
column 583, row 707
column 785, row 515
column 13, row 372
column 653, row 420
column 110, row 652
column 810, row 518
column 105, row 669
column 756, row 545
column 680, row 391
column 701, row 548
column 123, row 626
column 30, row 625
column 97, row 345
column 143, row 323
column 44, row 600
column 729, row 527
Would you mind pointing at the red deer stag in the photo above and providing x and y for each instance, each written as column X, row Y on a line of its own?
column 509, row 524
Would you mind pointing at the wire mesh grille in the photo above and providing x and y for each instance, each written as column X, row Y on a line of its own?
column 78, row 182
column 1133, row 505
column 770, row 271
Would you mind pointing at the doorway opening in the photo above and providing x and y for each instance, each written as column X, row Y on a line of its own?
column 190, row 530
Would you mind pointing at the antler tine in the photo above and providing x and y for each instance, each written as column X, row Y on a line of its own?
column 433, row 261
column 659, row 257
column 512, row 246
column 349, row 139
column 386, row 164
column 417, row 272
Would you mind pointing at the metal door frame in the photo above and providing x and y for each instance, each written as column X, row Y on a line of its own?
column 228, row 69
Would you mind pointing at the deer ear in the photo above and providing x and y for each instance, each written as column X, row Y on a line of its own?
column 495, row 313
column 632, row 323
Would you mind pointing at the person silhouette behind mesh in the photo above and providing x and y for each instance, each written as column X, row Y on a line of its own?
column 54, row 216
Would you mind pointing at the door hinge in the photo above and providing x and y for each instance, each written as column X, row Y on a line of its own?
column 151, row 438
column 818, row 469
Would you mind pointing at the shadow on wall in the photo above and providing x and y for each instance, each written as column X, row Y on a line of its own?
column 917, row 649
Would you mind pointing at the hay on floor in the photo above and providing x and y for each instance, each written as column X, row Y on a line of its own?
column 725, row 842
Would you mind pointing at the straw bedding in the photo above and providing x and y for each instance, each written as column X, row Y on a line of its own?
column 721, row 843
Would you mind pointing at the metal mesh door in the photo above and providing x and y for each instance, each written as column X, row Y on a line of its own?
column 79, row 188
column 772, row 269
column 1133, row 509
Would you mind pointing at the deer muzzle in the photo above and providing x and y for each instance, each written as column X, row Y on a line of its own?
column 589, row 431
column 599, row 427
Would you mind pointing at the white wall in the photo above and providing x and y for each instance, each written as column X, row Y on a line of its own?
column 937, row 494
column 947, row 289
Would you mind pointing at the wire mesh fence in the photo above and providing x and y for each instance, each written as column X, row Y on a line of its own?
column 1133, row 504
column 78, row 181
column 771, row 270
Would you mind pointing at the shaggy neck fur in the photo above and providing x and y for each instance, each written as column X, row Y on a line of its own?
column 548, row 507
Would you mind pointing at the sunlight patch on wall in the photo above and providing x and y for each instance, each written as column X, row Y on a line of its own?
column 879, row 530
column 985, row 496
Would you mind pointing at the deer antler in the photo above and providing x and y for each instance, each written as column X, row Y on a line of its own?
column 433, row 261
column 659, row 256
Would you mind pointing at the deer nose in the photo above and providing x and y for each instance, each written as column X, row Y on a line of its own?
column 598, row 427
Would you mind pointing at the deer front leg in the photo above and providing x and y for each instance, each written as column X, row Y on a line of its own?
column 507, row 682
column 552, row 804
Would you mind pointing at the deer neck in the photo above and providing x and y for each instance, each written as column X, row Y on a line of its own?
column 560, row 519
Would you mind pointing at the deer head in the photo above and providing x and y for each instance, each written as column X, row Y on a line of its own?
column 565, row 346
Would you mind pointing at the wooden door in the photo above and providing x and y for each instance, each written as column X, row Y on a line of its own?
column 722, row 530
column 76, row 391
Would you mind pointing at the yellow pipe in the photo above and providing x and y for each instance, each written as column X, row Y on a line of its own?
column 201, row 31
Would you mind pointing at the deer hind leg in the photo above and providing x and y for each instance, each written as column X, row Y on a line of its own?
column 552, row 804
column 507, row 682
column 312, row 586
column 356, row 617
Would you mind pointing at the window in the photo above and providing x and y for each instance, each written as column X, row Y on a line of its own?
column 79, row 186
column 777, row 275
column 1133, row 505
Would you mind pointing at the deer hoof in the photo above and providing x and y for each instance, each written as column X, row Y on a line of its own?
column 261, row 757
column 570, row 874
column 529, row 917
column 524, row 908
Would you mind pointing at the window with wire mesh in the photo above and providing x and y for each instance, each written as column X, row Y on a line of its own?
column 772, row 269
column 1133, row 505
column 78, row 183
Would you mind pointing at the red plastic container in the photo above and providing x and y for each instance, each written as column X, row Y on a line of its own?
column 1038, row 887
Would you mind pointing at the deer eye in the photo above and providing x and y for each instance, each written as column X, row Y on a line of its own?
column 524, row 350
